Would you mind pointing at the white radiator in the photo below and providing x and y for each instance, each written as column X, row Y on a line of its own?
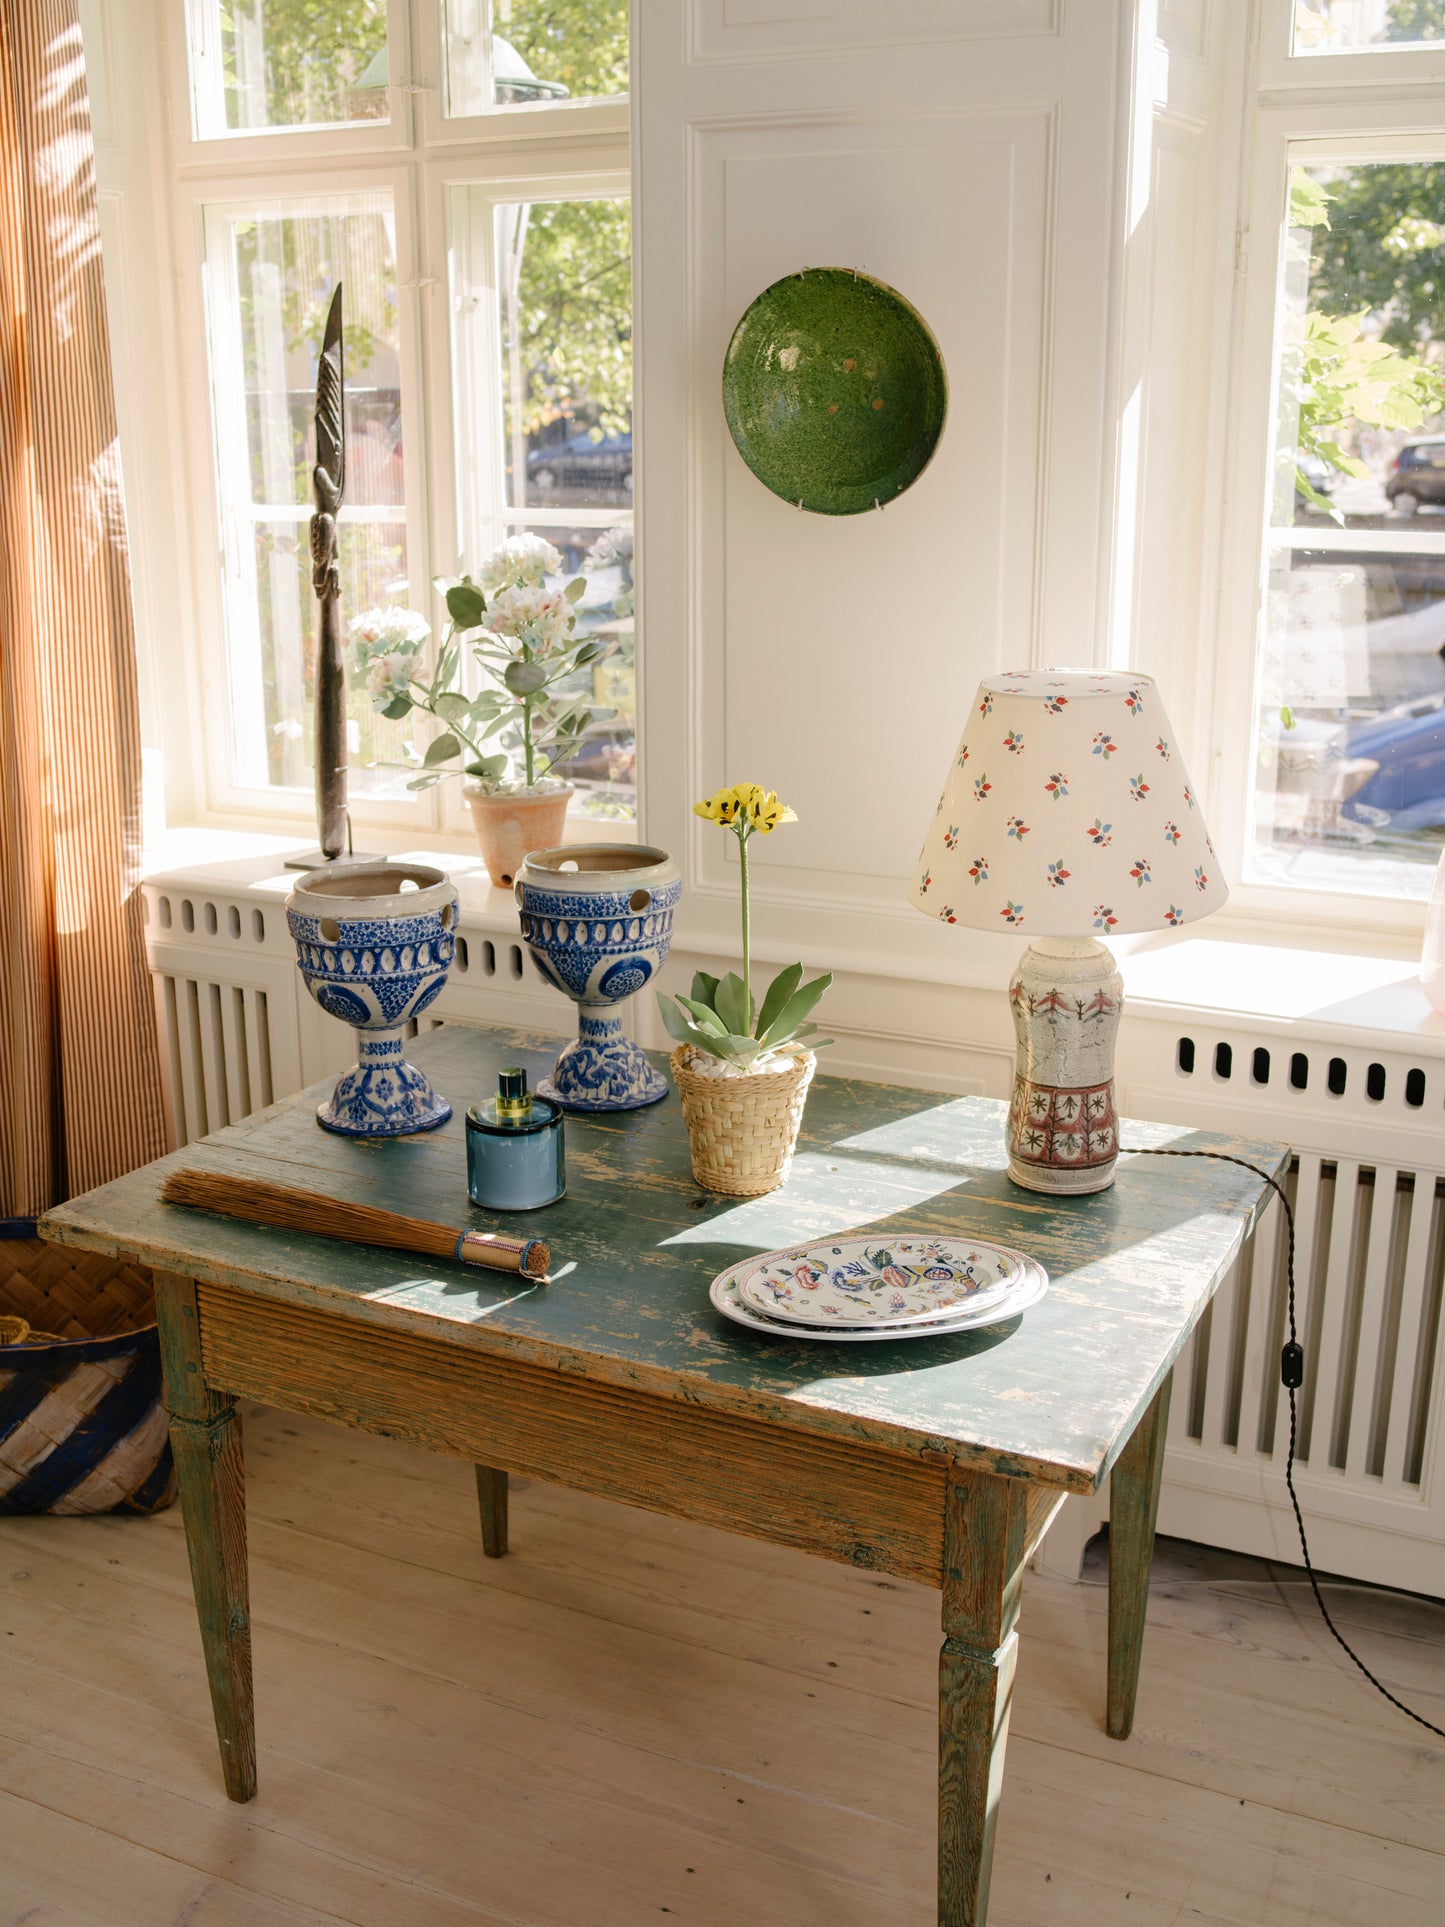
column 239, row 1031
column 1368, row 1191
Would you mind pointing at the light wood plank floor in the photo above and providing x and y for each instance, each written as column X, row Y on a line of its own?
column 630, row 1718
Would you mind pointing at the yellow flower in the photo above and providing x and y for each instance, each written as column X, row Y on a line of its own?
column 768, row 813
column 721, row 808
column 746, row 803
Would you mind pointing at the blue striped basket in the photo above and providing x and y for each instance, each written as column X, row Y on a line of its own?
column 83, row 1423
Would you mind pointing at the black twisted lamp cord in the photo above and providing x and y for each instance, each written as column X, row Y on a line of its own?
column 1291, row 1372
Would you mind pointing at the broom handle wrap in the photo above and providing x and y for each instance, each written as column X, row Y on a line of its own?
column 500, row 1254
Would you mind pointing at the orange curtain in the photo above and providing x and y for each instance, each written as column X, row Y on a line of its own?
column 80, row 1095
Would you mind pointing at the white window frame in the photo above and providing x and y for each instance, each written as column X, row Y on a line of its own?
column 1339, row 107
column 570, row 150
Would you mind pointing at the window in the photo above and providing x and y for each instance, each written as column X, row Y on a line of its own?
column 258, row 65
column 1346, row 26
column 521, row 53
column 488, row 338
column 1351, row 688
column 1346, row 772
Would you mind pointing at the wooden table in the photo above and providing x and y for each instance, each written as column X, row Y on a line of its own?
column 941, row 1460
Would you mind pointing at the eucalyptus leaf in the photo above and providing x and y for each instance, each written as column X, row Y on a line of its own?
column 576, row 588
column 524, row 678
column 779, row 991
column 422, row 782
column 442, row 750
column 466, row 605
column 398, row 707
column 452, row 707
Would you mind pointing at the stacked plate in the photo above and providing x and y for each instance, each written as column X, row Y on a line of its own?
column 861, row 1289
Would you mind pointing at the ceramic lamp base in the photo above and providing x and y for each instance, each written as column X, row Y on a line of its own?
column 1063, row 1130
column 603, row 1070
column 383, row 1095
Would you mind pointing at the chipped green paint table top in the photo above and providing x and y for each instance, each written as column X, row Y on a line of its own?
column 1051, row 1396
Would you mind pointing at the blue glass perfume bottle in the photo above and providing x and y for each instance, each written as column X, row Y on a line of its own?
column 515, row 1159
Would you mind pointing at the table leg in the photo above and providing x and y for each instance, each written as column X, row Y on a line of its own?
column 983, row 1560
column 1133, row 1509
column 492, row 1500
column 210, row 1472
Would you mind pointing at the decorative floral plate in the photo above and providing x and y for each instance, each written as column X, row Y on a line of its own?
column 834, row 391
column 1027, row 1290
column 879, row 1281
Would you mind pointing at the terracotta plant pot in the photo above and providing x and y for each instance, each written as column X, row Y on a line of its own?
column 743, row 1129
column 509, row 828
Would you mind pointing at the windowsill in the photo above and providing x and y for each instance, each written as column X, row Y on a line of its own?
column 1257, row 980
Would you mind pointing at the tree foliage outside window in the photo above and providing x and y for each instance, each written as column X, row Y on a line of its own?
column 575, row 316
column 300, row 63
column 581, row 44
column 1376, row 360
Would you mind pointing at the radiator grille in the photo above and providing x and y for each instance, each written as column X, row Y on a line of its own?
column 216, row 1042
column 1368, row 1188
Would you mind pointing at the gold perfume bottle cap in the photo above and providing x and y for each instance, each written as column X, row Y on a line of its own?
column 514, row 1100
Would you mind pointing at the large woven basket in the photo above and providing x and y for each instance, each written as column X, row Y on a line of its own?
column 83, row 1425
column 743, row 1129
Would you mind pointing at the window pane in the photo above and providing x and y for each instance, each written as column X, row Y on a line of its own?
column 517, row 53
column 564, row 287
column 1350, row 791
column 1347, row 26
column 270, row 272
column 258, row 65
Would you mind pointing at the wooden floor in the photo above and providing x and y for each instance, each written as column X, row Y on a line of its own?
column 630, row 1718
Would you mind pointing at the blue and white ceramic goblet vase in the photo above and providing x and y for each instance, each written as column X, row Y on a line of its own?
column 597, row 918
column 374, row 942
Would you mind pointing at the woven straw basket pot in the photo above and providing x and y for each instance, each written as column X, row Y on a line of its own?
column 83, row 1425
column 743, row 1129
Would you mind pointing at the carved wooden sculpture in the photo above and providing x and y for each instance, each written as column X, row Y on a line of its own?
column 328, row 483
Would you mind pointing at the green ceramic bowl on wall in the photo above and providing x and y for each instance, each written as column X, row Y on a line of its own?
column 834, row 391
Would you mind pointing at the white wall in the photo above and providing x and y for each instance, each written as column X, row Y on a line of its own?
column 1040, row 181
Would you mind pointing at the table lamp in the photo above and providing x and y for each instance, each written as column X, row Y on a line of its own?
column 1067, row 814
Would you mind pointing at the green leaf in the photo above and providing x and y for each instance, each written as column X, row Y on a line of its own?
column 1308, row 201
column 451, row 707
column 442, row 750
column 779, row 991
column 677, row 1023
column 795, row 1010
column 466, row 605
column 524, row 678
column 728, row 1003
column 576, row 588
column 1286, row 717
column 488, row 767
column 398, row 707
column 704, row 989
column 705, row 1015
column 422, row 782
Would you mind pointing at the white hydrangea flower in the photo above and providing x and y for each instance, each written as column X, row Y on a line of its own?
column 384, row 631
column 387, row 677
column 539, row 618
column 521, row 562
column 613, row 545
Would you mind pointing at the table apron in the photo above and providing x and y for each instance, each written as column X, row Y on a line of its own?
column 838, row 1498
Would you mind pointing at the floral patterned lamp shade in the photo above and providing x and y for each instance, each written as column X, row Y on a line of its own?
column 1067, row 814
column 1067, row 811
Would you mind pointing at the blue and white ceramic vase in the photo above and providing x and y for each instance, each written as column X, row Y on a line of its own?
column 597, row 918
column 374, row 942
